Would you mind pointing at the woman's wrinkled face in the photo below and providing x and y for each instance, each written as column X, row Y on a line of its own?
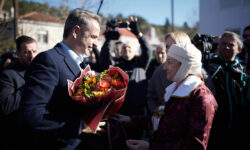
column 171, row 67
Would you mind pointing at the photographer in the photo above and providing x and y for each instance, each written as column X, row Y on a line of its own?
column 11, row 89
column 134, row 65
column 8, row 58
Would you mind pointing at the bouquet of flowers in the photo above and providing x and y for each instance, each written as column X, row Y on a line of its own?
column 103, row 94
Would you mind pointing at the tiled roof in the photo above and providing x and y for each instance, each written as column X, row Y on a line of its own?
column 126, row 32
column 36, row 16
column 123, row 32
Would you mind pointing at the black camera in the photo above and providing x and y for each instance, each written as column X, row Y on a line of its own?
column 204, row 43
column 113, row 33
column 9, row 54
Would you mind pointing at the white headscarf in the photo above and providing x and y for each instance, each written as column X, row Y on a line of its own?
column 190, row 58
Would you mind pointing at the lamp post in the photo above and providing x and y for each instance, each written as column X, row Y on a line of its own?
column 15, row 3
column 172, row 14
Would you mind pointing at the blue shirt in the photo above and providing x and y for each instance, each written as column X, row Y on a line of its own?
column 77, row 58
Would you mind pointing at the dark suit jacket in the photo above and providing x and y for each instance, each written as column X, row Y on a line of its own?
column 52, row 117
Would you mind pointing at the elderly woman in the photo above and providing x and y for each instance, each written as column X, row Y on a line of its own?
column 187, row 116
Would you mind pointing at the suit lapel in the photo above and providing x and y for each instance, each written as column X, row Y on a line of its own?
column 70, row 63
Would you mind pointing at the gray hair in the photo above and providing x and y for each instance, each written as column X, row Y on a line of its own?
column 81, row 18
column 234, row 36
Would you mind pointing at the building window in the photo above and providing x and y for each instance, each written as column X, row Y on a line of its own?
column 246, row 3
column 42, row 36
column 224, row 4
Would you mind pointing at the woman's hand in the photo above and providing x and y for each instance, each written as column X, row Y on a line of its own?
column 137, row 144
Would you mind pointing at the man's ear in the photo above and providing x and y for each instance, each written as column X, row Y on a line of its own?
column 76, row 31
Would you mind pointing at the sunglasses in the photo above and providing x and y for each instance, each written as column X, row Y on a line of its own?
column 246, row 36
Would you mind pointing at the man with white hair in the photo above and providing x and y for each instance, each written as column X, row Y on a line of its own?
column 160, row 57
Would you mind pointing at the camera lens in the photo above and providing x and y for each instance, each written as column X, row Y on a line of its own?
column 123, row 25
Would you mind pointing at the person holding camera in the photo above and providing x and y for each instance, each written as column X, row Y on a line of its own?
column 134, row 66
column 7, row 58
column 11, row 89
column 231, row 128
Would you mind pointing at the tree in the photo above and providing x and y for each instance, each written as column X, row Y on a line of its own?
column 119, row 17
column 167, row 26
column 143, row 24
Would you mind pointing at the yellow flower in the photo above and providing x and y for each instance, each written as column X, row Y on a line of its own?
column 89, row 80
column 94, row 81
column 97, row 93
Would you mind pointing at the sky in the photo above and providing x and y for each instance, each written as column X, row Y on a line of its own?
column 154, row 11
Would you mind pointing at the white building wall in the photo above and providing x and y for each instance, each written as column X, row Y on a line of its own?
column 217, row 16
column 31, row 28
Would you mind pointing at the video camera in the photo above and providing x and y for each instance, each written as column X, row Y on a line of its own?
column 9, row 54
column 204, row 43
column 113, row 33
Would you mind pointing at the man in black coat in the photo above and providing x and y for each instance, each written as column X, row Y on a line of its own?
column 11, row 87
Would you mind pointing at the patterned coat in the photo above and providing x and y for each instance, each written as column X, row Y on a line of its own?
column 186, row 122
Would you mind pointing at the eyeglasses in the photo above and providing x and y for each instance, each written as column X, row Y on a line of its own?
column 246, row 36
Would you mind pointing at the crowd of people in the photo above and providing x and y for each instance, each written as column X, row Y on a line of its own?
column 173, row 101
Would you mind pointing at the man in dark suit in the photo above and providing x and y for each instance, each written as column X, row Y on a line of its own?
column 11, row 87
column 52, row 117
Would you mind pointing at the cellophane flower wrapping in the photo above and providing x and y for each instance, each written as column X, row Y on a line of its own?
column 103, row 94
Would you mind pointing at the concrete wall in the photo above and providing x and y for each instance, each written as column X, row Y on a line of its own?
column 217, row 16
column 33, row 28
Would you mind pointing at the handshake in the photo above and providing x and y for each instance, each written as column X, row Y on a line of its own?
column 112, row 33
